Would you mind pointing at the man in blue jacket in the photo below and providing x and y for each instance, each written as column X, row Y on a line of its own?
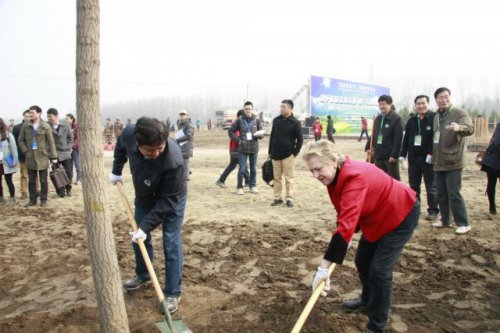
column 159, row 178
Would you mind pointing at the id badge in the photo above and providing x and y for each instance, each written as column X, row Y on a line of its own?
column 379, row 139
column 34, row 145
column 249, row 136
column 418, row 140
column 436, row 137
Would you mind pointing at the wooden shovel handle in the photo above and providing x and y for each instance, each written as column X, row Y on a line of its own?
column 140, row 242
column 312, row 301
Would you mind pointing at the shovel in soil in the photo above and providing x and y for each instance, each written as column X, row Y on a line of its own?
column 167, row 325
column 310, row 304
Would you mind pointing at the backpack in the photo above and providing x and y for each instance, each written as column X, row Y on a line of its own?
column 267, row 172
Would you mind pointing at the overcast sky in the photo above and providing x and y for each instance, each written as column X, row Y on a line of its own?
column 162, row 48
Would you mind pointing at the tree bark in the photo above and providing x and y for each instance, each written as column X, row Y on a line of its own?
column 105, row 270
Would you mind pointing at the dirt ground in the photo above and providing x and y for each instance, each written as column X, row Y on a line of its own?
column 248, row 266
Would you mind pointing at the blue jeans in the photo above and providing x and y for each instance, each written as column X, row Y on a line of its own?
column 75, row 160
column 172, row 248
column 233, row 162
column 243, row 168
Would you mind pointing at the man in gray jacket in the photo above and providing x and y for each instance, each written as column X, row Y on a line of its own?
column 63, row 139
column 451, row 126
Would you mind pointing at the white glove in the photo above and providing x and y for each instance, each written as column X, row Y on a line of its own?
column 114, row 179
column 428, row 159
column 402, row 159
column 138, row 234
column 321, row 274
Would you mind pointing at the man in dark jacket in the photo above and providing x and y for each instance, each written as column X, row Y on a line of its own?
column 22, row 157
column 284, row 145
column 159, row 178
column 388, row 134
column 417, row 144
column 185, row 138
column 248, row 147
column 63, row 139
column 330, row 130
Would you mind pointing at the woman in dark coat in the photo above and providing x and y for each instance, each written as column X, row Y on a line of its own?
column 491, row 165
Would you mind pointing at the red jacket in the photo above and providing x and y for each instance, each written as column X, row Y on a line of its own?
column 233, row 144
column 366, row 197
column 364, row 124
column 317, row 128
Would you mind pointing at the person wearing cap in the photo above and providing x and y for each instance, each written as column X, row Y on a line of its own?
column 159, row 179
column 118, row 128
column 108, row 131
column 184, row 138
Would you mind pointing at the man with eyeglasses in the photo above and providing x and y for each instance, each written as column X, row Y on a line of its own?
column 451, row 126
column 159, row 178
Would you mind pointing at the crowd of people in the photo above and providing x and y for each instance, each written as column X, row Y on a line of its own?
column 369, row 197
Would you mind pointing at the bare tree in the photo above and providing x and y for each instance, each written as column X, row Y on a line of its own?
column 105, row 270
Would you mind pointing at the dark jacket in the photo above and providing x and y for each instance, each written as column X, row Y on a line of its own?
column 246, row 125
column 329, row 127
column 392, row 136
column 492, row 158
column 448, row 154
column 16, row 131
column 416, row 126
column 63, row 138
column 159, row 184
column 286, row 137
column 37, row 159
column 186, row 142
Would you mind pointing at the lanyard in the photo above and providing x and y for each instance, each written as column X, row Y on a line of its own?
column 382, row 124
column 441, row 122
column 249, row 125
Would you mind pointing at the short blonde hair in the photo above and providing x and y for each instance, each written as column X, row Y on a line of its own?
column 325, row 150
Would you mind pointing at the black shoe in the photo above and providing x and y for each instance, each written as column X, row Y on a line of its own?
column 31, row 203
column 135, row 283
column 289, row 203
column 493, row 211
column 276, row 202
column 61, row 195
column 431, row 217
column 43, row 203
column 353, row 304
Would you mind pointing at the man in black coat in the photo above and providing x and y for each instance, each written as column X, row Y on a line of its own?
column 417, row 145
column 284, row 145
column 159, row 178
column 388, row 134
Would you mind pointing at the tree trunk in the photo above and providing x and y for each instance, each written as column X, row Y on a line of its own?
column 105, row 270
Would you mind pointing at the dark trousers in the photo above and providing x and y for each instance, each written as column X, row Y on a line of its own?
column 233, row 163
column 449, row 184
column 361, row 135
column 330, row 137
column 317, row 137
column 8, row 180
column 375, row 263
column 416, row 170
column 392, row 169
column 491, row 188
column 69, row 172
column 32, row 177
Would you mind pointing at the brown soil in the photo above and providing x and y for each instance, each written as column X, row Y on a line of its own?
column 249, row 274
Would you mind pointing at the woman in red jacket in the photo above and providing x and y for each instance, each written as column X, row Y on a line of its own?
column 317, row 129
column 384, row 209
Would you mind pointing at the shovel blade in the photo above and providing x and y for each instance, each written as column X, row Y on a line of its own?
column 179, row 327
